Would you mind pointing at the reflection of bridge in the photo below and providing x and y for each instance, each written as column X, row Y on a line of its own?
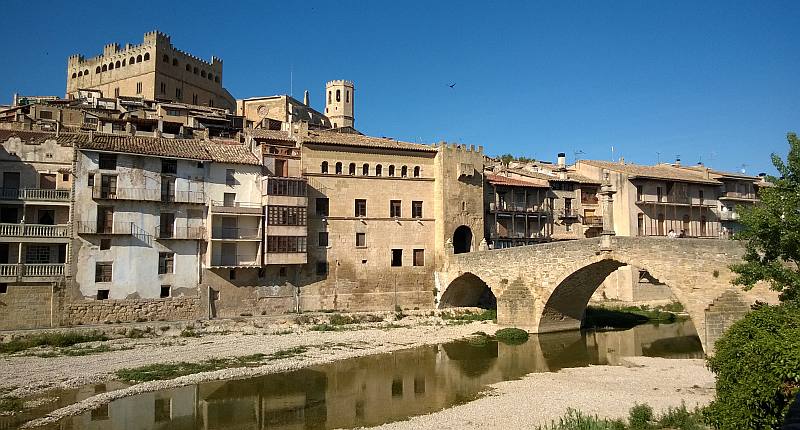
column 546, row 287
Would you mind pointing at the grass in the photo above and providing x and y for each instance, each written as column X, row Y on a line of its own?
column 85, row 350
column 163, row 371
column 57, row 339
column 11, row 404
column 487, row 315
column 640, row 417
column 511, row 335
column 631, row 316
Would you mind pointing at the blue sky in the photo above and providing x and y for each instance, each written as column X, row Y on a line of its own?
column 711, row 81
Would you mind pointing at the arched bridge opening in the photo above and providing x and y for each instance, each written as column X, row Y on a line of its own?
column 468, row 290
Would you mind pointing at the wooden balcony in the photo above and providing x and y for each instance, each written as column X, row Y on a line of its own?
column 592, row 221
column 567, row 214
column 517, row 208
column 33, row 231
column 734, row 195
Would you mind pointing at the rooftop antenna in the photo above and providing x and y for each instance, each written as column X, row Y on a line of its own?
column 575, row 154
column 291, row 80
column 658, row 157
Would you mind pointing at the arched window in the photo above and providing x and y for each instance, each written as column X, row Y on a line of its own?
column 378, row 170
column 146, row 56
column 210, row 78
column 86, row 72
column 365, row 169
column 132, row 61
column 74, row 75
column 339, row 168
column 195, row 70
column 338, row 95
column 391, row 170
column 404, row 171
column 105, row 68
column 97, row 70
column 216, row 79
column 324, row 167
column 416, row 172
column 188, row 68
column 111, row 66
column 174, row 61
column 352, row 169
column 329, row 96
column 165, row 58
column 117, row 64
column 139, row 58
column 202, row 73
column 123, row 62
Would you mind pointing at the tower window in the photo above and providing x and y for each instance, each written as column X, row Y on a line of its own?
column 365, row 169
column 138, row 88
column 352, row 169
column 97, row 70
column 146, row 56
column 188, row 68
column 324, row 167
column 105, row 68
column 338, row 95
column 165, row 58
column 347, row 96
column 174, row 61
column 378, row 170
column 132, row 61
column 138, row 59
column 339, row 168
column 404, row 171
column 391, row 170
column 194, row 70
column 416, row 172
column 329, row 96
column 116, row 64
column 110, row 66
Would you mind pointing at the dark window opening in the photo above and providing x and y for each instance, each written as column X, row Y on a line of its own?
column 322, row 239
column 166, row 262
column 416, row 209
column 322, row 267
column 3, row 288
column 102, row 273
column 419, row 257
column 352, row 170
column 395, row 209
column 397, row 257
column 361, row 240
column 232, row 274
column 108, row 161
column 324, row 167
column 105, row 244
column 169, row 166
column 360, row 208
column 102, row 294
column 166, row 291
column 339, row 168
column 378, row 170
column 322, row 206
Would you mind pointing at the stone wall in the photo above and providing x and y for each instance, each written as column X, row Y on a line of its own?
column 722, row 313
column 131, row 310
column 25, row 307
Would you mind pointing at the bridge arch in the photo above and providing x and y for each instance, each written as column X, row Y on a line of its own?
column 564, row 308
column 468, row 290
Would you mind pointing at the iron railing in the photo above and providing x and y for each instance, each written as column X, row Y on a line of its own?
column 190, row 233
column 147, row 194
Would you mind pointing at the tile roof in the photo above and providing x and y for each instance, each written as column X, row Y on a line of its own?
column 502, row 180
column 159, row 147
column 653, row 172
column 260, row 133
column 582, row 179
column 38, row 137
column 228, row 151
column 357, row 140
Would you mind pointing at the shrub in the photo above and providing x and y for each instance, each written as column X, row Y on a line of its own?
column 338, row 319
column 58, row 339
column 640, row 416
column 511, row 335
column 757, row 363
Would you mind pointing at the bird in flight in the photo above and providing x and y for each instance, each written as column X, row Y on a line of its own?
column 452, row 85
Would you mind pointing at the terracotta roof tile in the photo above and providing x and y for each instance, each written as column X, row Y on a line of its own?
column 160, row 147
column 653, row 172
column 502, row 180
column 230, row 152
column 346, row 139
column 260, row 133
column 37, row 137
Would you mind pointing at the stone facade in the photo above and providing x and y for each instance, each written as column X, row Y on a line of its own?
column 725, row 310
column 131, row 310
column 26, row 307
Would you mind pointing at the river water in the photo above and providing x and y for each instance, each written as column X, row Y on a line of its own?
column 377, row 389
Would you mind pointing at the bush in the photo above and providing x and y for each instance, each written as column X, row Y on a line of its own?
column 640, row 416
column 57, row 339
column 511, row 335
column 757, row 363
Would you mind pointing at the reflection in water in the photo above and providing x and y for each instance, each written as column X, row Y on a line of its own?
column 377, row 389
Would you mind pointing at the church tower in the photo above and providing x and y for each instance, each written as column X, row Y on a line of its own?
column 339, row 103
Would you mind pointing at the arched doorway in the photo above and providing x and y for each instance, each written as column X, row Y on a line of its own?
column 462, row 240
column 468, row 290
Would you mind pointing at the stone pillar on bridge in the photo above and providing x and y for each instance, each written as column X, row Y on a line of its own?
column 606, row 194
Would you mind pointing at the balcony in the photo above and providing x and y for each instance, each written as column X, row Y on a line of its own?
column 35, row 194
column 672, row 200
column 592, row 221
column 235, row 233
column 281, row 186
column 182, row 233
column 567, row 214
column 734, row 195
column 236, row 260
column 228, row 207
column 729, row 216
column 511, row 207
column 589, row 199
column 31, row 271
column 34, row 230
column 148, row 195
column 92, row 227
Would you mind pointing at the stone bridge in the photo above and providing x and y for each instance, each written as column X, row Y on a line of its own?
column 545, row 288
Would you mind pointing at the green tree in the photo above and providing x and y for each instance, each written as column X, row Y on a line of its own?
column 772, row 230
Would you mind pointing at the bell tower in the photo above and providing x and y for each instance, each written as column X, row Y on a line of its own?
column 339, row 96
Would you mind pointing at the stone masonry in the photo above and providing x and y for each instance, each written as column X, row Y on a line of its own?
column 546, row 288
column 132, row 310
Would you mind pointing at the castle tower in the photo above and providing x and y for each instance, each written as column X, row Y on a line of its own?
column 339, row 103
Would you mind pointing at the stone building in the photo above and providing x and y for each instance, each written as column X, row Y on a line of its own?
column 154, row 69
column 272, row 112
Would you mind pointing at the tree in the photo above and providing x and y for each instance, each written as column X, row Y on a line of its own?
column 772, row 230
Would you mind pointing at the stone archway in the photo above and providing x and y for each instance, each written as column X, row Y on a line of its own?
column 462, row 240
column 468, row 290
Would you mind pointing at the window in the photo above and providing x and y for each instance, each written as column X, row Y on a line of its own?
column 163, row 407
column 166, row 262
column 101, row 295
column 179, row 93
column 404, row 172
column 229, row 200
column 188, row 68
column 108, row 186
column 194, row 99
column 286, row 215
column 230, row 179
column 174, row 61
column 397, row 257
column 395, row 209
column 132, row 61
column 46, row 114
column 365, row 170
column 105, row 244
column 105, row 68
column 361, row 208
column 378, row 170
column 166, row 225
column 322, row 267
column 322, row 206
column 116, row 92
column 338, row 95
column 166, row 291
column 639, row 193
column 391, row 170
column 338, row 168
column 322, row 238
column 90, row 180
column 324, row 167
column 165, row 58
column 361, row 240
column 97, row 70
column 146, row 56
column 47, row 181
column 116, row 64
column 700, row 195
column 111, row 66
column 419, row 257
column 640, row 224
column 347, row 96
column 102, row 273
column 283, row 244
column 397, row 387
column 352, row 169
column 659, row 194
column 3, row 288
column 138, row 88
column 169, row 166
column 37, row 254
column 202, row 73
column 167, row 189
column 194, row 70
column 163, row 88
column 416, row 209
column 232, row 274
column 329, row 96
column 416, row 172
column 108, row 161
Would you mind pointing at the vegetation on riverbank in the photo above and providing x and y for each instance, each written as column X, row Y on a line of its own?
column 640, row 417
column 10, row 405
column 56, row 339
column 486, row 315
column 511, row 335
column 631, row 316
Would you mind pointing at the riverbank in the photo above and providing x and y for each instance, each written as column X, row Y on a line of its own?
column 605, row 391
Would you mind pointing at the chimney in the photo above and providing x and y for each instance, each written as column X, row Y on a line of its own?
column 305, row 98
column 562, row 160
